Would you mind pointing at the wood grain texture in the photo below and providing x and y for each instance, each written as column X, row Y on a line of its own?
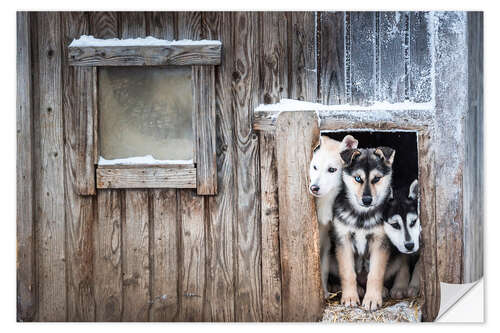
column 147, row 177
column 79, row 174
column 248, row 302
column 221, row 209
column 108, row 256
column 192, row 256
column 299, row 238
column 274, row 57
column 271, row 268
column 25, row 261
column 132, row 24
column 332, row 58
column 154, row 55
column 135, row 260
column 161, row 25
column 104, row 24
column 362, row 57
column 205, row 138
column 420, row 72
column 50, row 193
column 164, row 250
column 473, row 189
column 430, row 288
column 302, row 77
column 451, row 107
column 393, row 55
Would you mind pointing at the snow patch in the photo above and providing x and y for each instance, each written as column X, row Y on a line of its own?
column 89, row 41
column 148, row 160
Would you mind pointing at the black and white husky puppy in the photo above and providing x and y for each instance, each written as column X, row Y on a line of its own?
column 358, row 222
column 402, row 227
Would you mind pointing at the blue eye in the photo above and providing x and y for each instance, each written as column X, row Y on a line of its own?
column 331, row 170
column 358, row 179
column 375, row 180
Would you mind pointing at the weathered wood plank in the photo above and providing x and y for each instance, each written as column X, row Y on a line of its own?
column 152, row 55
column 161, row 25
column 79, row 174
column 108, row 257
column 429, row 275
column 393, row 56
column 248, row 302
column 299, row 239
column 192, row 256
column 362, row 57
column 271, row 269
column 274, row 57
column 204, row 114
column 473, row 168
column 451, row 106
column 191, row 216
column 135, row 261
column 332, row 64
column 132, row 24
column 302, row 77
column 149, row 177
column 219, row 241
column 420, row 58
column 104, row 24
column 26, row 301
column 164, row 255
column 50, row 194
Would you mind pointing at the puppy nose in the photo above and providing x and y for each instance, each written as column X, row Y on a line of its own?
column 314, row 188
column 366, row 200
column 409, row 246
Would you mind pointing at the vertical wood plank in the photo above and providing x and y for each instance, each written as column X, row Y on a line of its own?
column 271, row 269
column 302, row 78
column 393, row 50
column 332, row 60
column 219, row 241
column 191, row 216
column 473, row 168
column 204, row 114
column 192, row 257
column 248, row 302
column 50, row 194
column 135, row 246
column 108, row 256
column 79, row 173
column 164, row 255
column 451, row 107
column 274, row 57
column 161, row 25
column 108, row 224
column 362, row 57
column 26, row 302
column 299, row 239
column 420, row 58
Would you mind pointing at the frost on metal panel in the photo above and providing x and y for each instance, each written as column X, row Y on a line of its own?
column 89, row 41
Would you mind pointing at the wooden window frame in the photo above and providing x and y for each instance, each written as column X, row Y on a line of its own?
column 202, row 57
column 306, row 126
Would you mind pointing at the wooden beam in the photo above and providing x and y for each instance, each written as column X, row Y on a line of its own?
column 149, row 55
column 302, row 295
column 149, row 177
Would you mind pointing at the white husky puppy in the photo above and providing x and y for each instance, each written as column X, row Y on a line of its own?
column 325, row 174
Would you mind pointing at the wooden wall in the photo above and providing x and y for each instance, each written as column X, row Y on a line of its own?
column 170, row 255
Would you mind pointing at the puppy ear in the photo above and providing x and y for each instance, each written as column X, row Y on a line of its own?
column 349, row 155
column 349, row 142
column 386, row 154
column 317, row 145
column 413, row 190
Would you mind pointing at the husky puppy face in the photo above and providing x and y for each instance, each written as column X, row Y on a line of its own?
column 367, row 176
column 401, row 221
column 326, row 165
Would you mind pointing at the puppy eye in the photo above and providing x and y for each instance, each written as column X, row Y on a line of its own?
column 332, row 170
column 395, row 226
column 375, row 180
column 358, row 179
column 412, row 223
column 315, row 167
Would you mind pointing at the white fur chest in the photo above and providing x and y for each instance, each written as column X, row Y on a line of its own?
column 324, row 207
column 359, row 237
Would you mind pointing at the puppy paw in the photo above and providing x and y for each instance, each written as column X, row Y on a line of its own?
column 349, row 298
column 385, row 293
column 412, row 291
column 372, row 301
column 398, row 292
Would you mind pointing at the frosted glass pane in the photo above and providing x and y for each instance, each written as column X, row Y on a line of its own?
column 146, row 111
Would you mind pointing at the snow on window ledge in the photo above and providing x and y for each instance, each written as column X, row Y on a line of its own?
column 141, row 160
column 90, row 41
